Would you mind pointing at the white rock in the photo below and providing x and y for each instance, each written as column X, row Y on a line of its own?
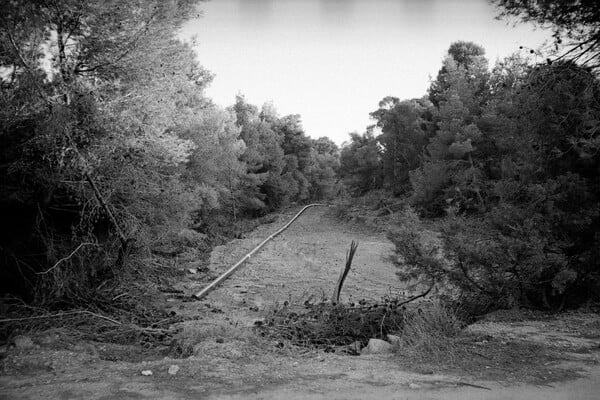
column 393, row 339
column 173, row 369
column 377, row 346
column 23, row 342
column 147, row 372
column 414, row 386
column 192, row 271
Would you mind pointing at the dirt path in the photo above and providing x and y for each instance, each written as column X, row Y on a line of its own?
column 303, row 261
column 229, row 361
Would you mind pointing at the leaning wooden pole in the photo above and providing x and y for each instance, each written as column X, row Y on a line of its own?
column 237, row 265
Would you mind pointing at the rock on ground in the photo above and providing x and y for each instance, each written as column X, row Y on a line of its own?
column 377, row 346
column 393, row 339
column 23, row 342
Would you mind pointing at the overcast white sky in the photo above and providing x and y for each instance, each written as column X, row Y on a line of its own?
column 332, row 61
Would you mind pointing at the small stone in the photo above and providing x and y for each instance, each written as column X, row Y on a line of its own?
column 192, row 271
column 354, row 348
column 23, row 342
column 393, row 339
column 414, row 386
column 147, row 372
column 234, row 353
column 48, row 338
column 377, row 346
column 173, row 370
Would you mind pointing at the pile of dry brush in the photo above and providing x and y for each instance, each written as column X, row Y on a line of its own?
column 328, row 325
column 122, row 311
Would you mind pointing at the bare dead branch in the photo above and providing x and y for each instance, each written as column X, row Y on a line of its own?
column 66, row 258
column 425, row 293
column 61, row 315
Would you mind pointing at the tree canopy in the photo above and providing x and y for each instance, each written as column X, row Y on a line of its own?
column 504, row 163
column 576, row 25
column 108, row 140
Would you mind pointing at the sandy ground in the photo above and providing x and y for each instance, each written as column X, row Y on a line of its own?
column 229, row 361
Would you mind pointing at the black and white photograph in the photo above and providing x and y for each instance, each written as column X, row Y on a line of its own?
column 300, row 199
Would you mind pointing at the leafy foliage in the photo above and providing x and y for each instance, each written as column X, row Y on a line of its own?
column 404, row 131
column 360, row 163
column 111, row 151
column 506, row 162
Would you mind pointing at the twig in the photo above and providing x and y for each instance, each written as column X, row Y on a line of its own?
column 425, row 293
column 119, row 296
column 472, row 385
column 67, row 257
column 479, row 354
column 473, row 282
column 61, row 315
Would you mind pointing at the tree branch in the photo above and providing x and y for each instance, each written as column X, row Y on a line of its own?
column 66, row 258
column 128, row 48
column 471, row 280
column 15, row 47
column 425, row 293
column 61, row 315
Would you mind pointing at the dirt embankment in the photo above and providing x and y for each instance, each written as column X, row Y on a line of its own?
column 512, row 356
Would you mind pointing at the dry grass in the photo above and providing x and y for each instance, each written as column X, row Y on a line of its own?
column 429, row 334
column 192, row 333
column 433, row 341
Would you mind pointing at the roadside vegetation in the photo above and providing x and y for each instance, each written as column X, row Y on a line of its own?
column 118, row 172
column 117, row 169
column 500, row 165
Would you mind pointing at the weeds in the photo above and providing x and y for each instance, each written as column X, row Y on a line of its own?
column 430, row 332
column 123, row 311
column 331, row 326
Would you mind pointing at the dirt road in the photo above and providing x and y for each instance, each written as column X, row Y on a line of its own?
column 302, row 262
column 230, row 361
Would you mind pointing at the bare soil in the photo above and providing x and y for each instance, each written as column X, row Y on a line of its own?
column 507, row 355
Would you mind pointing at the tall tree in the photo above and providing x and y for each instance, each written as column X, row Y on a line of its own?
column 323, row 172
column 92, row 126
column 404, row 133
column 469, row 59
column 360, row 163
column 451, row 177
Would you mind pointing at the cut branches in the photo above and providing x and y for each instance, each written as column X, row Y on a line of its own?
column 344, row 273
